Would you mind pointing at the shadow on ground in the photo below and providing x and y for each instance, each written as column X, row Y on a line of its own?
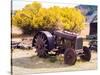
column 36, row 62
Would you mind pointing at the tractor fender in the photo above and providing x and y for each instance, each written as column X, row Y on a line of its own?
column 50, row 39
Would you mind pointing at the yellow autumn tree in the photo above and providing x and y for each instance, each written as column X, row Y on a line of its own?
column 72, row 19
column 34, row 16
column 23, row 18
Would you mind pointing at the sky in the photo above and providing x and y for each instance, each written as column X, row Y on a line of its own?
column 18, row 4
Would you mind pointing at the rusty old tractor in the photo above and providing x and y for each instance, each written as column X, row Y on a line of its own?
column 61, row 42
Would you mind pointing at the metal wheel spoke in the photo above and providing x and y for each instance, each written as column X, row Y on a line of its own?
column 45, row 45
column 41, row 45
column 35, row 39
column 39, row 39
column 41, row 36
column 35, row 44
column 45, row 48
column 45, row 41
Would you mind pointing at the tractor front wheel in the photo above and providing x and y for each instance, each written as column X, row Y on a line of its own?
column 70, row 56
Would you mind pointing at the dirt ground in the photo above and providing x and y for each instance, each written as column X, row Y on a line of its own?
column 26, row 62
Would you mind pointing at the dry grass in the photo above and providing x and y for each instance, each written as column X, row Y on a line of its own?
column 26, row 62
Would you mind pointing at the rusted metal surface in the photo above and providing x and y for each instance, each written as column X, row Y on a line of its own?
column 60, row 42
column 66, row 35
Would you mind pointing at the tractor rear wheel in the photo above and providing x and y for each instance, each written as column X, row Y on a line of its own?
column 41, row 45
column 86, row 56
column 70, row 56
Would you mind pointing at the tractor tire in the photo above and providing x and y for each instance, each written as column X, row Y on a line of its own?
column 70, row 56
column 43, row 42
column 86, row 56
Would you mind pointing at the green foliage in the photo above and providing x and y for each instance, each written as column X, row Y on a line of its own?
column 34, row 16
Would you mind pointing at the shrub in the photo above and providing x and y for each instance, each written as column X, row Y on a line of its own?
column 34, row 16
